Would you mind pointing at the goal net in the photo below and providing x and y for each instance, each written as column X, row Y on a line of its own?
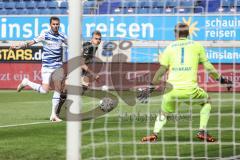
column 134, row 34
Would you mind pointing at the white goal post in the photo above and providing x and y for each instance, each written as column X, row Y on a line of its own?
column 74, row 41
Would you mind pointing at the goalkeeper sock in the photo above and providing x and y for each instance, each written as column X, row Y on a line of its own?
column 55, row 102
column 204, row 116
column 159, row 123
column 36, row 87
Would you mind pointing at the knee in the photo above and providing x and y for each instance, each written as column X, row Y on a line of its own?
column 206, row 101
column 63, row 96
column 162, row 116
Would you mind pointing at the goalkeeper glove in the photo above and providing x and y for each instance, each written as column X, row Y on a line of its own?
column 227, row 82
column 144, row 93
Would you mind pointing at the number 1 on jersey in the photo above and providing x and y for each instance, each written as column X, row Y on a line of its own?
column 182, row 56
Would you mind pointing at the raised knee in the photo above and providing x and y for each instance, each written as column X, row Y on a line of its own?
column 63, row 96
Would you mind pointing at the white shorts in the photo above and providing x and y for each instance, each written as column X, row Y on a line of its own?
column 46, row 75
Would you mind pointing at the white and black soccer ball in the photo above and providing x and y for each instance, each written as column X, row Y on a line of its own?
column 106, row 104
column 104, row 88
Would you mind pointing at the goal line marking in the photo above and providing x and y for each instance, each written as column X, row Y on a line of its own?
column 24, row 124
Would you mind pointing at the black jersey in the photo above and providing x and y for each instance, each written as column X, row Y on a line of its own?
column 89, row 51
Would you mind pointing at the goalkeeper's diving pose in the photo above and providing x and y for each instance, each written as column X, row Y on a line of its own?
column 87, row 57
column 181, row 59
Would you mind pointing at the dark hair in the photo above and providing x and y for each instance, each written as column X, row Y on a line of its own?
column 54, row 19
column 181, row 30
column 96, row 33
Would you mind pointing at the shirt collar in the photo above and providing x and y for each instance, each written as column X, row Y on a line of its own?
column 51, row 31
column 182, row 38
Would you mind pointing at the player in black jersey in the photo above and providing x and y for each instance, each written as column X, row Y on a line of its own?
column 87, row 57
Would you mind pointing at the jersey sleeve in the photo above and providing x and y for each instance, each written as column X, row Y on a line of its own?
column 202, row 54
column 86, row 49
column 211, row 70
column 40, row 38
column 164, row 57
column 65, row 41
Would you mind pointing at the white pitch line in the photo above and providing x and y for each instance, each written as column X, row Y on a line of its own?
column 23, row 124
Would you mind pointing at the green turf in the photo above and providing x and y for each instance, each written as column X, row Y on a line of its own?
column 116, row 135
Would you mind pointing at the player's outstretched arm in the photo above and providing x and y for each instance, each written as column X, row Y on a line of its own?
column 211, row 70
column 22, row 45
column 158, row 75
column 87, row 69
column 144, row 93
column 216, row 76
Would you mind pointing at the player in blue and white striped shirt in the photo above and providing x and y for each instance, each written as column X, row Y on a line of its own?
column 52, row 41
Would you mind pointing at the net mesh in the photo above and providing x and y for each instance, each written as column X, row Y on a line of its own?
column 118, row 134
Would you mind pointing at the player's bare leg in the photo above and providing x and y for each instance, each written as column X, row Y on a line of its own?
column 84, row 84
column 63, row 98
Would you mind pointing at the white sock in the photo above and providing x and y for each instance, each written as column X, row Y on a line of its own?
column 37, row 87
column 159, row 123
column 55, row 102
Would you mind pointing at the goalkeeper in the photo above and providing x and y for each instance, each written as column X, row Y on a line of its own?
column 181, row 59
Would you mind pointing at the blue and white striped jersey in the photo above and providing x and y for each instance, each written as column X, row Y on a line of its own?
column 52, row 48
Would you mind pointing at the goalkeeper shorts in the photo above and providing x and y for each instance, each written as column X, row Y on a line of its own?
column 175, row 97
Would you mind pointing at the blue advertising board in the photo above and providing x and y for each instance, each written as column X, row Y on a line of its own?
column 223, row 55
column 215, row 55
column 138, row 27
column 145, row 55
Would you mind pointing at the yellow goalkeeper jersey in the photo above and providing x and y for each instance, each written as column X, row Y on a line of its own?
column 182, row 58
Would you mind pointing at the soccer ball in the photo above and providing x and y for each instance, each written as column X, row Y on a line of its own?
column 104, row 88
column 106, row 104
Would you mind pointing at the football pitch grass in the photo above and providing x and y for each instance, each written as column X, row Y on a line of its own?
column 27, row 134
